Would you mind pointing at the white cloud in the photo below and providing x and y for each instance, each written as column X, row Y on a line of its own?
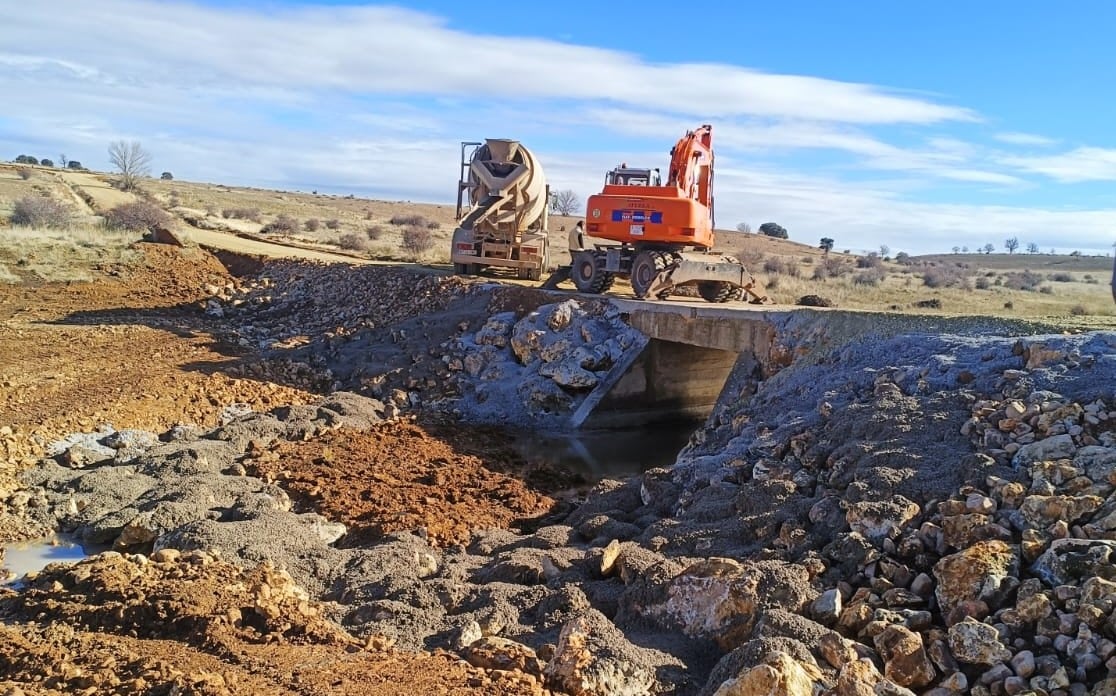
column 389, row 50
column 1080, row 164
column 863, row 217
column 375, row 100
column 1025, row 139
column 945, row 158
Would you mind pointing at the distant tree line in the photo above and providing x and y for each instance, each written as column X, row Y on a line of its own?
column 46, row 162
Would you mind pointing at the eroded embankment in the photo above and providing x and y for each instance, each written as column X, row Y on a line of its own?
column 887, row 514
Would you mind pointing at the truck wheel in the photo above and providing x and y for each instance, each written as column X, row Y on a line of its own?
column 717, row 291
column 645, row 268
column 587, row 276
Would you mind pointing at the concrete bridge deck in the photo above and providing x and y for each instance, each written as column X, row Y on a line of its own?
column 694, row 346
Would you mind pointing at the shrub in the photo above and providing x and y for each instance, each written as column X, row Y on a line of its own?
column 311, row 225
column 830, row 268
column 903, row 258
column 1024, row 280
column 374, row 232
column 947, row 277
column 417, row 240
column 46, row 163
column 26, row 159
column 782, row 267
column 41, row 211
column 1009, row 305
column 25, row 173
column 871, row 276
column 983, row 283
column 807, row 260
column 166, row 176
column 252, row 214
column 410, row 220
column 1078, row 310
column 1061, row 277
column 933, row 303
column 333, row 224
column 353, row 241
column 1046, row 290
column 284, row 224
column 137, row 216
column 872, row 260
column 74, row 164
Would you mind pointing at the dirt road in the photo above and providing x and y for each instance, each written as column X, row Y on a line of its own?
column 212, row 239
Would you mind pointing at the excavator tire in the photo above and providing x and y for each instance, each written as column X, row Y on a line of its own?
column 718, row 291
column 587, row 276
column 645, row 268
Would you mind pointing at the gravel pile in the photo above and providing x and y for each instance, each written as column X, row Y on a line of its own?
column 952, row 499
column 292, row 302
column 480, row 352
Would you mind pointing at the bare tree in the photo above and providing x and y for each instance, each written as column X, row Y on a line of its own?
column 957, row 250
column 988, row 248
column 885, row 250
column 564, row 202
column 62, row 161
column 1011, row 244
column 744, row 227
column 1032, row 248
column 131, row 160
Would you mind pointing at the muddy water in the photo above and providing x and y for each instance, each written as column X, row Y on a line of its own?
column 25, row 557
column 608, row 453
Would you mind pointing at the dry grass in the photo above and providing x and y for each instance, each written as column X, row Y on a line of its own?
column 900, row 288
column 63, row 255
column 1068, row 285
column 7, row 277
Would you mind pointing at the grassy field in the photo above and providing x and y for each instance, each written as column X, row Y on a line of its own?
column 1022, row 285
column 76, row 253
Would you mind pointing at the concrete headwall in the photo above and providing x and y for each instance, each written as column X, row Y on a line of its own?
column 681, row 372
column 666, row 382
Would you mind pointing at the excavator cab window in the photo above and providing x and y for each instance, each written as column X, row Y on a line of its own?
column 624, row 176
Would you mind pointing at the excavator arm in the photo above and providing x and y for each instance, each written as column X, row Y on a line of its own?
column 691, row 165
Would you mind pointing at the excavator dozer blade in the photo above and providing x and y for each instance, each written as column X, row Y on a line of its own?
column 561, row 274
column 693, row 268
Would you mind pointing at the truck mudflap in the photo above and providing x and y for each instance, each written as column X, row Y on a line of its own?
column 716, row 275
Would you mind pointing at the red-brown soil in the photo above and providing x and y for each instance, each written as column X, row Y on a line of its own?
column 197, row 625
column 403, row 476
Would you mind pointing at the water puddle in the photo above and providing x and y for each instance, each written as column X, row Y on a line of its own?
column 24, row 557
column 608, row 453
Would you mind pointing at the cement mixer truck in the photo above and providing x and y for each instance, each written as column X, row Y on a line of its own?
column 502, row 203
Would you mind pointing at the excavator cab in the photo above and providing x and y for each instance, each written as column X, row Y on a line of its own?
column 627, row 176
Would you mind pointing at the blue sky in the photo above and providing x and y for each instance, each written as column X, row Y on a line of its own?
column 922, row 126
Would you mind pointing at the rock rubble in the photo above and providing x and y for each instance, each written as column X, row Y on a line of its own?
column 931, row 514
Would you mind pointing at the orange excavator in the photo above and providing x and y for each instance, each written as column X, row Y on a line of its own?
column 665, row 231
